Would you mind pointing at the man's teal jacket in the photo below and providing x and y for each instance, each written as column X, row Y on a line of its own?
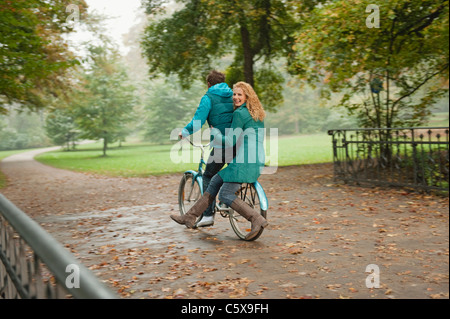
column 216, row 107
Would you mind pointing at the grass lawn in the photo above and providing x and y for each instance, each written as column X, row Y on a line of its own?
column 438, row 119
column 140, row 159
column 305, row 149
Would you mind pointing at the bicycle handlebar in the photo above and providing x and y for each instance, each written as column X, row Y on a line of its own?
column 196, row 145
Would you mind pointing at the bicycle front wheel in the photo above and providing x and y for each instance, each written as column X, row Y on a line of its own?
column 189, row 192
column 240, row 225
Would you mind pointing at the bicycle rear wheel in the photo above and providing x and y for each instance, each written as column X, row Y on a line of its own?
column 189, row 192
column 240, row 225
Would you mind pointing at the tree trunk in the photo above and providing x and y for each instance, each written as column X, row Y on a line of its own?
column 105, row 145
column 248, row 56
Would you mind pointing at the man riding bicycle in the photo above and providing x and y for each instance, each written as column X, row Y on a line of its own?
column 216, row 107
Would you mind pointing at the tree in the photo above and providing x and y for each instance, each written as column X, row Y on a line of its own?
column 106, row 99
column 254, row 33
column 304, row 112
column 34, row 57
column 168, row 106
column 391, row 73
column 61, row 128
column 22, row 129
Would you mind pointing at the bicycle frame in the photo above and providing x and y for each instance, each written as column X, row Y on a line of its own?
column 198, row 176
column 253, row 194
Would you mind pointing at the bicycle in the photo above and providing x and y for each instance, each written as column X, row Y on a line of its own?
column 191, row 189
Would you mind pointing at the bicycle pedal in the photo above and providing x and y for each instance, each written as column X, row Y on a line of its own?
column 224, row 214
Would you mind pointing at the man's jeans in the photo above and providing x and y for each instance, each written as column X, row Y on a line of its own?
column 213, row 166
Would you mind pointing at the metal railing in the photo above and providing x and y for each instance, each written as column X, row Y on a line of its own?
column 34, row 265
column 417, row 158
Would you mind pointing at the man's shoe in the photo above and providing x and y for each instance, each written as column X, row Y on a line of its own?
column 206, row 221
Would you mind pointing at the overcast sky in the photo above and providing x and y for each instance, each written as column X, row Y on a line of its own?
column 123, row 15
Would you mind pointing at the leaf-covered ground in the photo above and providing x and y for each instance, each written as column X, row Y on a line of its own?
column 321, row 238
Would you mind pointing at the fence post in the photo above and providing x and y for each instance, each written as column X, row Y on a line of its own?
column 376, row 157
column 47, row 250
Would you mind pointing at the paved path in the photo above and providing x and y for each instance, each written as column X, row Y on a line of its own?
column 321, row 238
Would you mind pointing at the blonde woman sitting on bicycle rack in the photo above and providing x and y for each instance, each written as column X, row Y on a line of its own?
column 247, row 132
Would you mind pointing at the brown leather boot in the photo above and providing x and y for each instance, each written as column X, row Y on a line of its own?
column 191, row 216
column 251, row 215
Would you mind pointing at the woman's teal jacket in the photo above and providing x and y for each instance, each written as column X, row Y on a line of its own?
column 248, row 135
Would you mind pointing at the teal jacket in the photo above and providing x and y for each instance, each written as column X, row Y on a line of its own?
column 216, row 107
column 248, row 136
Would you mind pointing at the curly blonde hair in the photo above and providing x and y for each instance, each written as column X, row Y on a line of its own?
column 254, row 106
